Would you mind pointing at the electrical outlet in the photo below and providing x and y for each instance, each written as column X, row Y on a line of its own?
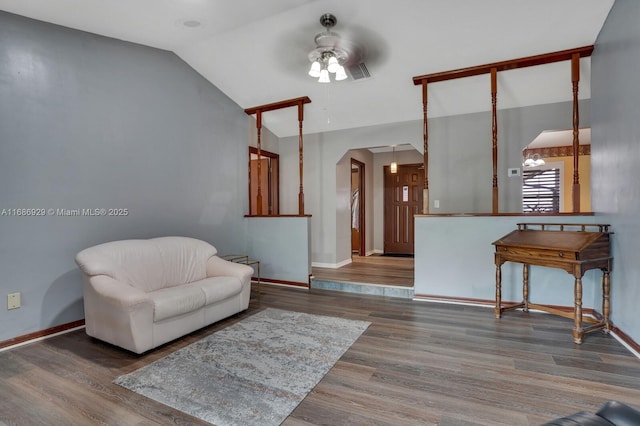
column 436, row 204
column 13, row 301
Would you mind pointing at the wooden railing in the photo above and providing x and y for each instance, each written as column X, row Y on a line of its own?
column 258, row 110
column 572, row 54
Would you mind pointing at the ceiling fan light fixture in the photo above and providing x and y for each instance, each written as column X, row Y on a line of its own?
column 315, row 69
column 324, row 76
column 534, row 160
column 333, row 65
column 332, row 52
column 341, row 74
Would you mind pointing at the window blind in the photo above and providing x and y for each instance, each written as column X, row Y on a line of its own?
column 541, row 191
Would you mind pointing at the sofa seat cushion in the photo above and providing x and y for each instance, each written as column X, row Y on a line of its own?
column 217, row 289
column 173, row 301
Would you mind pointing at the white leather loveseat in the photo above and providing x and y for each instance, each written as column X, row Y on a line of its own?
column 139, row 294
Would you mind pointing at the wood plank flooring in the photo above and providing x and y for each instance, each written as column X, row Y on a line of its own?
column 418, row 363
column 375, row 269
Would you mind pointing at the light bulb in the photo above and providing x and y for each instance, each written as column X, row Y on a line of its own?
column 333, row 64
column 340, row 74
column 315, row 69
column 324, row 77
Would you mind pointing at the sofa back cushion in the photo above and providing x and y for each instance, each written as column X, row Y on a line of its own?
column 149, row 264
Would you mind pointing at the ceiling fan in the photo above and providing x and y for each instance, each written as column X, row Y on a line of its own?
column 336, row 55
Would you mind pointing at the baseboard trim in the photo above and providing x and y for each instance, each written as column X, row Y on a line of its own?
column 331, row 265
column 41, row 335
column 283, row 282
column 618, row 334
column 626, row 341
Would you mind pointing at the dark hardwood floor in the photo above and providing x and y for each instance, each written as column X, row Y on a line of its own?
column 375, row 269
column 418, row 363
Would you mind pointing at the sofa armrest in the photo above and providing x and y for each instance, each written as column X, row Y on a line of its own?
column 619, row 414
column 117, row 313
column 117, row 293
column 217, row 267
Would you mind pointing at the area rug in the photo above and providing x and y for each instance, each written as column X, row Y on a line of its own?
column 254, row 372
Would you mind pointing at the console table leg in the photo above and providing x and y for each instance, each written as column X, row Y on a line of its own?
column 498, row 309
column 525, row 287
column 577, row 324
column 606, row 304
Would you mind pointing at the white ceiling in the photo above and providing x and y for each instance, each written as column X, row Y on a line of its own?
column 255, row 51
column 553, row 138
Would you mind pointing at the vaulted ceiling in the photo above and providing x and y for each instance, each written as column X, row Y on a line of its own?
column 255, row 51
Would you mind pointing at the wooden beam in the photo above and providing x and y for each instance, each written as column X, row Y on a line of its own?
column 575, row 80
column 529, row 61
column 425, row 155
column 494, row 138
column 278, row 105
column 300, row 159
column 259, row 164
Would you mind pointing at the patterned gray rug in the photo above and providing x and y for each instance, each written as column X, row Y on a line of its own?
column 254, row 372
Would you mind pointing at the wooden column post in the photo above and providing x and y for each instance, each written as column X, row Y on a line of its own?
column 259, row 195
column 494, row 137
column 300, row 158
column 575, row 80
column 299, row 102
column 425, row 156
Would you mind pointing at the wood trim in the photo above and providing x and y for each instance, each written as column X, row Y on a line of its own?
column 528, row 61
column 258, row 110
column 575, row 81
column 42, row 333
column 425, row 160
column 625, row 338
column 259, row 132
column 361, row 206
column 300, row 158
column 494, row 138
column 557, row 151
column 283, row 282
column 277, row 215
column 271, row 156
column 505, row 214
column 278, row 105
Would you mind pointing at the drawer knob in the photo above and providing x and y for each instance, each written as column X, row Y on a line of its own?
column 561, row 254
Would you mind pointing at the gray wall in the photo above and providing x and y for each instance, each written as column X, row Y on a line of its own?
column 93, row 122
column 615, row 153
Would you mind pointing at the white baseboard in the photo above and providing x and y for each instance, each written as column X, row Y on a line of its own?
column 331, row 265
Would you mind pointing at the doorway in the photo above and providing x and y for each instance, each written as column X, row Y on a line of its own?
column 402, row 200
column 269, row 182
column 357, row 208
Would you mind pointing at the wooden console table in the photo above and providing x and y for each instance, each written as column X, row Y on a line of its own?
column 576, row 248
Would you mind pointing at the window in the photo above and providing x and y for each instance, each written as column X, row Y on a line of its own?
column 541, row 191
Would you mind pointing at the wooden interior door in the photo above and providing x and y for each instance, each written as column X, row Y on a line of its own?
column 264, row 185
column 402, row 199
column 269, row 182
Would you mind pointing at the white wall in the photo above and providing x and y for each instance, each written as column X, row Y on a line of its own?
column 615, row 153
